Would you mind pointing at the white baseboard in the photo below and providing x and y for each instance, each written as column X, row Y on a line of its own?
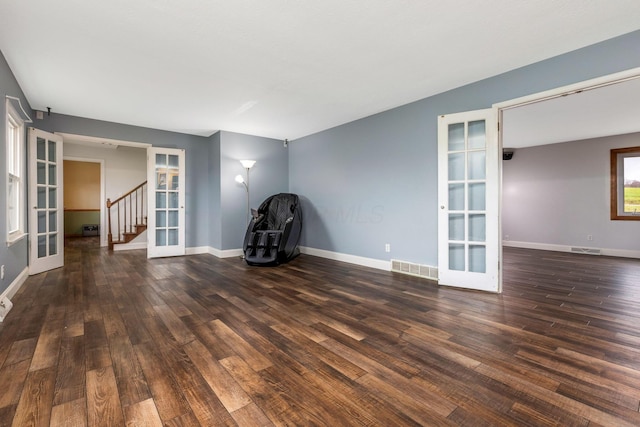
column 351, row 259
column 129, row 246
column 11, row 290
column 197, row 250
column 219, row 253
column 623, row 253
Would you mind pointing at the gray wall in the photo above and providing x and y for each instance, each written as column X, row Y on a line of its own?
column 14, row 258
column 374, row 181
column 268, row 176
column 558, row 194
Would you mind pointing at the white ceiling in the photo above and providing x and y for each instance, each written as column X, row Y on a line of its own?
column 279, row 68
column 608, row 110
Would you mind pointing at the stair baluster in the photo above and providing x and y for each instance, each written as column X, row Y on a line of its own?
column 134, row 223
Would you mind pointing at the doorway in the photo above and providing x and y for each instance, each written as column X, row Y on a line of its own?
column 556, row 188
column 83, row 202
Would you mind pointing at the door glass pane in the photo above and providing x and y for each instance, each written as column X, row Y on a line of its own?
column 173, row 200
column 42, row 246
column 173, row 184
column 161, row 160
column 161, row 218
column 53, row 223
column 41, row 149
column 477, row 228
column 456, row 197
column 477, row 200
column 173, row 237
column 52, row 151
column 52, row 175
column 161, row 179
column 42, row 222
column 161, row 237
column 456, row 167
column 456, row 256
column 477, row 165
column 173, row 161
column 53, row 248
column 173, row 218
column 477, row 258
column 477, row 134
column 42, row 173
column 456, row 226
column 52, row 198
column 42, row 197
column 161, row 199
column 456, row 136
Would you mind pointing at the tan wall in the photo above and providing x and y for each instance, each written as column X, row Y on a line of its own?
column 81, row 185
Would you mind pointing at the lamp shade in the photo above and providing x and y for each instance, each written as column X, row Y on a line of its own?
column 239, row 179
column 247, row 164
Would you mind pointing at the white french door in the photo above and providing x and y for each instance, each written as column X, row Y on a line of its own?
column 166, row 183
column 469, row 201
column 46, row 213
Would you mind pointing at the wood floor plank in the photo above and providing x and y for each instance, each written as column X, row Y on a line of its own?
column 142, row 414
column 70, row 414
column 34, row 408
column 223, row 385
column 167, row 396
column 12, row 379
column 115, row 338
column 103, row 402
column 70, row 378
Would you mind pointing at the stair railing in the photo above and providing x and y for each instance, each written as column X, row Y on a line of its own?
column 131, row 211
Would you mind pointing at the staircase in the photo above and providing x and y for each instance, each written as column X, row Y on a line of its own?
column 127, row 216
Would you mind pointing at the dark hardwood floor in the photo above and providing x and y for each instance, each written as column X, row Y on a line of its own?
column 116, row 339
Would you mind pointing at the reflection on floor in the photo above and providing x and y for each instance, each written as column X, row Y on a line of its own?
column 81, row 242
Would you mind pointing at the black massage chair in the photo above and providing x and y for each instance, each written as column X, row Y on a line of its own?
column 273, row 233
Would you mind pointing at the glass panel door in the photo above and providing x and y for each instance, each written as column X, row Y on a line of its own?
column 468, row 170
column 45, row 196
column 167, row 215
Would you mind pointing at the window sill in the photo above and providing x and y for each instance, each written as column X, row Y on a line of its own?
column 16, row 238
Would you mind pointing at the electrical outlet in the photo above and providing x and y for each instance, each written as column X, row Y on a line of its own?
column 589, row 237
column 387, row 247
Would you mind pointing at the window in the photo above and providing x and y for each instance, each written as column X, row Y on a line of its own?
column 15, row 174
column 625, row 184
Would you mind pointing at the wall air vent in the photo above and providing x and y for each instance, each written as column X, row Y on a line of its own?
column 413, row 269
column 588, row 251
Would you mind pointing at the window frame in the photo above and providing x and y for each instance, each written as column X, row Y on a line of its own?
column 15, row 150
column 617, row 185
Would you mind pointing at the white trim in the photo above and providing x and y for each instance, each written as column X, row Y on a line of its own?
column 622, row 253
column 14, row 287
column 105, row 142
column 582, row 86
column 198, row 250
column 26, row 118
column 351, row 259
column 129, row 246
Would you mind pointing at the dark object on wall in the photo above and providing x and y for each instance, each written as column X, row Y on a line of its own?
column 90, row 230
column 507, row 153
column 274, row 231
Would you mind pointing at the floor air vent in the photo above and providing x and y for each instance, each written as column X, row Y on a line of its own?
column 414, row 269
column 588, row 251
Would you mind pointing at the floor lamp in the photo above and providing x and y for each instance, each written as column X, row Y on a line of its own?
column 247, row 164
